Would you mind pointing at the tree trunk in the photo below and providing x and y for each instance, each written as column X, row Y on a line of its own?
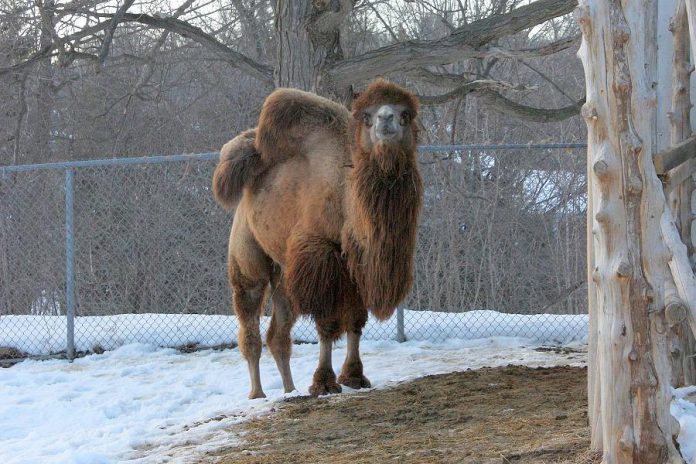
column 630, row 376
column 308, row 40
column 38, row 149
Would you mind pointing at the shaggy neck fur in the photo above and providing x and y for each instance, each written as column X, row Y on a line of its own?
column 386, row 190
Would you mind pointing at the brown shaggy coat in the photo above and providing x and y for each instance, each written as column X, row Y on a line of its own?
column 338, row 216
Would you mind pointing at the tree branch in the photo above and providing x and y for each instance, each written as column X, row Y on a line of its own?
column 465, row 42
column 112, row 28
column 477, row 86
column 544, row 50
column 240, row 61
column 440, row 79
column 529, row 113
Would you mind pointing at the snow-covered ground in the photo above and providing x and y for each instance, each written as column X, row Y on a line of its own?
column 146, row 404
column 43, row 335
column 140, row 403
column 685, row 412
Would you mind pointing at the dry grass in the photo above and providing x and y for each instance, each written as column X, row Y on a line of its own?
column 502, row 415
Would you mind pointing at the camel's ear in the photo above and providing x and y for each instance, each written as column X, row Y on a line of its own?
column 407, row 116
column 357, row 112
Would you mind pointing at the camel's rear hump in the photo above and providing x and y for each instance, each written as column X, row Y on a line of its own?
column 289, row 116
column 239, row 164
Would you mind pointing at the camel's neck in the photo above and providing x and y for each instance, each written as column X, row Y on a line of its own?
column 385, row 190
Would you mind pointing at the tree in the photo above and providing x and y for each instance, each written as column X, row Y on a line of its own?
column 641, row 283
column 309, row 47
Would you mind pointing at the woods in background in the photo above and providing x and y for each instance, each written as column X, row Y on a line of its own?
column 88, row 79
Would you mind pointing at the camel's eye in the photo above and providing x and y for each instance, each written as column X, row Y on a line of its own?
column 367, row 119
column 405, row 118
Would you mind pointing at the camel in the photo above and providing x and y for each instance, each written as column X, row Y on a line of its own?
column 327, row 205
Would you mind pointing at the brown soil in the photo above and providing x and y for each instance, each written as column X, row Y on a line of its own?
column 501, row 415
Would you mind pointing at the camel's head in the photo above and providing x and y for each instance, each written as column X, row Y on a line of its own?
column 386, row 114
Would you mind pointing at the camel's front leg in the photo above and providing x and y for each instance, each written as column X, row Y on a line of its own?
column 324, row 381
column 352, row 370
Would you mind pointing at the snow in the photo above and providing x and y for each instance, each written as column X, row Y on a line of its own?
column 685, row 412
column 44, row 335
column 141, row 403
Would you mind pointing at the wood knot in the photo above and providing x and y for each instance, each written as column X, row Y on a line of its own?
column 600, row 168
column 589, row 112
column 624, row 269
column 595, row 275
column 676, row 311
column 602, row 217
column 633, row 356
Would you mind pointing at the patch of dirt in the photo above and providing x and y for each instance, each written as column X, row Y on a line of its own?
column 501, row 415
column 9, row 356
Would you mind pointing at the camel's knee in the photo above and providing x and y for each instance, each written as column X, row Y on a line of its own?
column 354, row 319
column 250, row 341
column 248, row 300
column 278, row 338
column 279, row 343
column 329, row 328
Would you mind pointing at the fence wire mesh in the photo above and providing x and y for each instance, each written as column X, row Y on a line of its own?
column 502, row 229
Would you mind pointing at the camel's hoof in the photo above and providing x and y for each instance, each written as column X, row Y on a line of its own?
column 324, row 383
column 356, row 383
column 317, row 389
column 256, row 394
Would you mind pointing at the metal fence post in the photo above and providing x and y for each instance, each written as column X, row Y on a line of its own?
column 70, row 262
column 400, row 335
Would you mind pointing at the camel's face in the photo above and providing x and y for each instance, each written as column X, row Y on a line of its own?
column 386, row 124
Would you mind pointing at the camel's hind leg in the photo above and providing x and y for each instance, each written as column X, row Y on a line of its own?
column 352, row 371
column 248, row 300
column 249, row 272
column 278, row 336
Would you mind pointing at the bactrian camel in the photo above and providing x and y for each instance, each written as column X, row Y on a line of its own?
column 327, row 205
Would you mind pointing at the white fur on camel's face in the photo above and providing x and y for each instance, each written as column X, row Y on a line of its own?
column 387, row 123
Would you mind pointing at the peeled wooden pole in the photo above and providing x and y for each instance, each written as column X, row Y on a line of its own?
column 686, row 284
column 629, row 366
column 681, row 341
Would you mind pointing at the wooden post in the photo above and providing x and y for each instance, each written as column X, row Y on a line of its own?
column 681, row 341
column 630, row 370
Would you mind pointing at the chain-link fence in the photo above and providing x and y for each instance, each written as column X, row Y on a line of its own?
column 96, row 254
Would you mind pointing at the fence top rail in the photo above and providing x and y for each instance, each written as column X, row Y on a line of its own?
column 214, row 156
